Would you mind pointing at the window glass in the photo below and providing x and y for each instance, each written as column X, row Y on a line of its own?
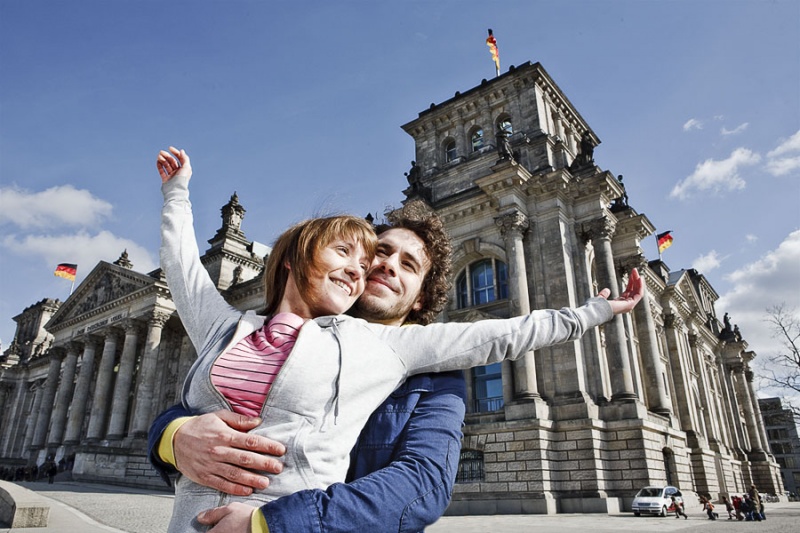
column 502, row 280
column 487, row 388
column 461, row 290
column 506, row 125
column 450, row 151
column 477, row 140
column 482, row 282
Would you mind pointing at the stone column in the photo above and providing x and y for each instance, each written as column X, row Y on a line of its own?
column 658, row 401
column 102, row 389
column 122, row 388
column 145, row 395
column 187, row 357
column 706, row 408
column 513, row 226
column 48, row 398
column 732, row 404
column 64, row 396
column 35, row 411
column 743, row 392
column 82, row 387
column 13, row 414
column 762, row 430
column 619, row 364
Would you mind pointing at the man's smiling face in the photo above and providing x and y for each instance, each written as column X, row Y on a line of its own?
column 394, row 282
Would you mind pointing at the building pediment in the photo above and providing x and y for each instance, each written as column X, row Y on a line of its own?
column 106, row 286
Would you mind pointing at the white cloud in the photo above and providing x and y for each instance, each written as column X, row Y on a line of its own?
column 783, row 166
column 52, row 208
column 750, row 237
column 738, row 129
column 81, row 248
column 716, row 176
column 792, row 144
column 706, row 263
column 786, row 157
column 693, row 124
column 765, row 283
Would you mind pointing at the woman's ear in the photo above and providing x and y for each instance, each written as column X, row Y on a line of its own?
column 287, row 266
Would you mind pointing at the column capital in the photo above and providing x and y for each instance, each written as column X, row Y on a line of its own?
column 672, row 321
column 131, row 326
column 57, row 352
column 157, row 319
column 599, row 228
column 514, row 221
column 89, row 338
column 626, row 264
column 74, row 346
column 111, row 334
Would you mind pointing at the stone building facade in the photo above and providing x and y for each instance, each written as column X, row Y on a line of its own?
column 784, row 441
column 84, row 379
column 662, row 395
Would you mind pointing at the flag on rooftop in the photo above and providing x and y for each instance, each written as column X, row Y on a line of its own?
column 66, row 270
column 664, row 240
column 491, row 42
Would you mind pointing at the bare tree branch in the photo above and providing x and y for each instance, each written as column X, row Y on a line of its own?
column 784, row 372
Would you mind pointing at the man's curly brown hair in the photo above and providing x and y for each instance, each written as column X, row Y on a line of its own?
column 417, row 217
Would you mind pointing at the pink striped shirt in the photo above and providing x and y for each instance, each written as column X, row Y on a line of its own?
column 245, row 373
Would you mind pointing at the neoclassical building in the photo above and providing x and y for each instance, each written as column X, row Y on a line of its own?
column 662, row 395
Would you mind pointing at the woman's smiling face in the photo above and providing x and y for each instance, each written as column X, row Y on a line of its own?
column 335, row 281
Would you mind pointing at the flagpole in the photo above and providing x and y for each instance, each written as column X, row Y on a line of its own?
column 72, row 287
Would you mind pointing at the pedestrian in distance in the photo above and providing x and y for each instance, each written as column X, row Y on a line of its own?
column 679, row 509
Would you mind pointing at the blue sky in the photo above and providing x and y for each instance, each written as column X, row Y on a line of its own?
column 297, row 106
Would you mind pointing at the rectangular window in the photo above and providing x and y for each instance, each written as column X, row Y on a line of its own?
column 470, row 467
column 487, row 388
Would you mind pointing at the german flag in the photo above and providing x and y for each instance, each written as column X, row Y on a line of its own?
column 67, row 271
column 664, row 240
column 491, row 42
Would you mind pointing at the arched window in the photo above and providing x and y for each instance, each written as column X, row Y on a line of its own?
column 482, row 282
column 487, row 388
column 476, row 139
column 504, row 123
column 450, row 153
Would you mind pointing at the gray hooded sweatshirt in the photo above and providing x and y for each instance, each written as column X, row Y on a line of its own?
column 339, row 371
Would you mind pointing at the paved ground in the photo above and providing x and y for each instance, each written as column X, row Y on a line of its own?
column 85, row 508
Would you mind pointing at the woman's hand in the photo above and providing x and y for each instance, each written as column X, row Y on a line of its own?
column 628, row 299
column 173, row 163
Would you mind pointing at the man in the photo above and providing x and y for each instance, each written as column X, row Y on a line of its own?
column 403, row 466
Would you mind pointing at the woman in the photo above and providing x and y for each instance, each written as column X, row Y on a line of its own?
column 340, row 367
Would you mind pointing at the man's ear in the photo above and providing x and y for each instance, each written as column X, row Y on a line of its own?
column 418, row 304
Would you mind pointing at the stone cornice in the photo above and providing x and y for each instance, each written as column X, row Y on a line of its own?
column 482, row 206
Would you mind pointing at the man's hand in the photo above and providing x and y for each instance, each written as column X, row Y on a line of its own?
column 628, row 299
column 173, row 163
column 232, row 518
column 214, row 450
